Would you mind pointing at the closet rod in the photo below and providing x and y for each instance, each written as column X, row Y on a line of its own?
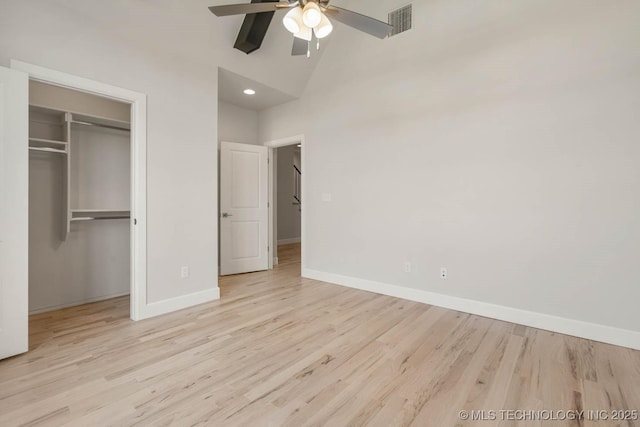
column 96, row 218
column 99, row 125
column 48, row 150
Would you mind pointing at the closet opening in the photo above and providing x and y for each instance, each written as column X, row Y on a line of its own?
column 80, row 195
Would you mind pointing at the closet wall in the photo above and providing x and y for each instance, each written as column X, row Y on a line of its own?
column 91, row 261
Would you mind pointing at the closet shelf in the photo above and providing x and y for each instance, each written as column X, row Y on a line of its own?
column 97, row 218
column 98, row 214
column 47, row 141
column 93, row 214
column 36, row 108
column 105, row 211
column 84, row 119
column 48, row 146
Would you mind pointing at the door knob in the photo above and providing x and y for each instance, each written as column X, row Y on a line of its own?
column 226, row 215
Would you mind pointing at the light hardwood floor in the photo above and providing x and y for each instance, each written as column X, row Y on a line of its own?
column 281, row 350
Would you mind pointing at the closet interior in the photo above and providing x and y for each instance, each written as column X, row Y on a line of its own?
column 79, row 197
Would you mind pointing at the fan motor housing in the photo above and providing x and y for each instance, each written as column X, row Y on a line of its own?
column 321, row 3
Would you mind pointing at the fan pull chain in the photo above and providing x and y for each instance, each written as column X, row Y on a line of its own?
column 309, row 49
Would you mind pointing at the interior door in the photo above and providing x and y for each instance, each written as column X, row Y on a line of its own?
column 244, row 214
column 14, row 211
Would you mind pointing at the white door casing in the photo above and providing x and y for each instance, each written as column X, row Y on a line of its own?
column 244, row 228
column 14, row 212
column 140, row 308
column 273, row 235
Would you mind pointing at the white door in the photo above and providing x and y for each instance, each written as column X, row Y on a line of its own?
column 244, row 215
column 14, row 211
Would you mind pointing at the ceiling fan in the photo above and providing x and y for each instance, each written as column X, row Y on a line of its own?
column 305, row 19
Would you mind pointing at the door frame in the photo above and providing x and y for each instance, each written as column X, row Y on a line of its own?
column 272, row 145
column 138, row 224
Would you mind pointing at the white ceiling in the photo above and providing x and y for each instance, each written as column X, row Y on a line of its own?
column 232, row 85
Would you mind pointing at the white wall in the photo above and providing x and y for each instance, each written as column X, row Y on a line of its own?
column 288, row 228
column 237, row 124
column 497, row 139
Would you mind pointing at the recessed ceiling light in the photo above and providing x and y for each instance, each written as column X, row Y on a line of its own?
column 249, row 92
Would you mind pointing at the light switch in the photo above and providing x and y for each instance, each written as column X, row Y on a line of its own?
column 326, row 197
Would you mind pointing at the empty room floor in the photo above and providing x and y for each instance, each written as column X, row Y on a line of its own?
column 281, row 350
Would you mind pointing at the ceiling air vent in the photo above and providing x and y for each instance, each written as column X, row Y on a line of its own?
column 400, row 19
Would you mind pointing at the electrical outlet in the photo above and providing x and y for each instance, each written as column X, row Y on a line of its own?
column 443, row 273
column 407, row 267
column 184, row 272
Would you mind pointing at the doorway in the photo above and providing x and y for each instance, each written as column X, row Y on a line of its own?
column 134, row 214
column 286, row 198
column 79, row 198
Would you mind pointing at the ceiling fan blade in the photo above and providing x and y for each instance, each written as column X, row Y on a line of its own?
column 359, row 22
column 300, row 47
column 245, row 8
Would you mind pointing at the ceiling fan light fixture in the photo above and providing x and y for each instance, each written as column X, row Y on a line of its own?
column 293, row 20
column 324, row 28
column 304, row 33
column 311, row 14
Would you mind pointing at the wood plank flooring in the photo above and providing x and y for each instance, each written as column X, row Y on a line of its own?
column 281, row 350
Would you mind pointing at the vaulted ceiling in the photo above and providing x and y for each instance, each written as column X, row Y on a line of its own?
column 293, row 73
column 189, row 35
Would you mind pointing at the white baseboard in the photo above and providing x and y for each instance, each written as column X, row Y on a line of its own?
column 287, row 241
column 81, row 302
column 578, row 328
column 179, row 303
column 275, row 260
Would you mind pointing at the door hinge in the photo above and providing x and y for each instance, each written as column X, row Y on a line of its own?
column 135, row 221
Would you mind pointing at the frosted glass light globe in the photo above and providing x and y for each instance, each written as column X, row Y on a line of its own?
column 324, row 28
column 293, row 20
column 311, row 15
